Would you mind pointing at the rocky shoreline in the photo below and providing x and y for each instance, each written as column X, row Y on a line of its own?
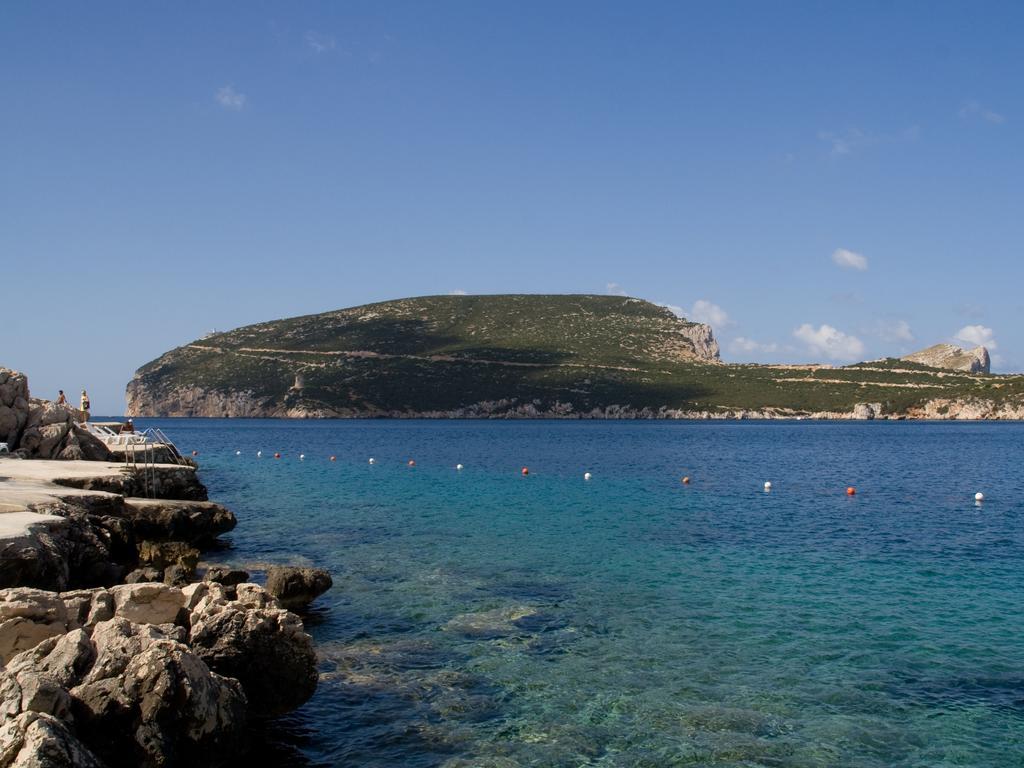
column 114, row 651
column 197, row 403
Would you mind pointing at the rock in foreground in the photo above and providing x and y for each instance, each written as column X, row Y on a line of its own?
column 136, row 675
column 296, row 588
column 265, row 648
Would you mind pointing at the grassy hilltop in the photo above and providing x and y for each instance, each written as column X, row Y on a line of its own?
column 516, row 355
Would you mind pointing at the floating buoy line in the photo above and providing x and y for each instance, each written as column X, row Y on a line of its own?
column 851, row 490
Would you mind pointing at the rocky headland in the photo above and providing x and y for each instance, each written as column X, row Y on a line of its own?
column 114, row 651
column 537, row 356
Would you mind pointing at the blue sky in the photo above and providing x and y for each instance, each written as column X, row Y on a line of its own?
column 823, row 181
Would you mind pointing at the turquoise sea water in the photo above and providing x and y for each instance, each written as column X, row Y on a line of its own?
column 482, row 618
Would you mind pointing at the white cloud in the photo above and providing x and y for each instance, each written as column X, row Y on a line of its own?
column 704, row 311
column 895, row 330
column 229, row 98
column 974, row 109
column 742, row 345
column 457, row 292
column 844, row 143
column 319, row 43
column 850, row 260
column 614, row 289
column 978, row 335
column 829, row 342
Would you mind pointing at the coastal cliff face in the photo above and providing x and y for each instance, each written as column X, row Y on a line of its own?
column 952, row 357
column 518, row 357
column 703, row 340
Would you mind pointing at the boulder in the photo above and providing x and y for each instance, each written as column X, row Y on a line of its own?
column 81, row 444
column 265, row 649
column 87, row 607
column 147, row 573
column 296, row 588
column 149, row 701
column 27, row 618
column 37, row 740
column 177, row 576
column 225, row 575
column 26, row 690
column 14, row 406
column 52, row 432
column 147, row 603
column 66, row 658
column 20, row 634
column 253, row 596
column 34, row 604
column 161, row 554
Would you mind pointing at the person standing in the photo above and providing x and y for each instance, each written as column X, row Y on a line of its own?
column 85, row 405
column 61, row 400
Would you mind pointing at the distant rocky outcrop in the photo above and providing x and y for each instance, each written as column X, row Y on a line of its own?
column 953, row 358
column 703, row 340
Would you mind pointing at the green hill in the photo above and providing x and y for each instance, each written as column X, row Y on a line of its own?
column 524, row 355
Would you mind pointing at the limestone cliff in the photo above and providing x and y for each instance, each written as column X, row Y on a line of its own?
column 703, row 340
column 953, row 358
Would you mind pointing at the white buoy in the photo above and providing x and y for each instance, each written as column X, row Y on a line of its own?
column 586, row 475
column 768, row 485
column 302, row 456
column 373, row 461
column 258, row 454
column 238, row 453
column 979, row 496
column 458, row 466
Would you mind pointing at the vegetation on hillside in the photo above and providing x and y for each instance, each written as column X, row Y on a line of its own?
column 573, row 353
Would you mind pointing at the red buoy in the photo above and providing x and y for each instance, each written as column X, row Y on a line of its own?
column 277, row 455
column 851, row 491
column 526, row 470
column 686, row 480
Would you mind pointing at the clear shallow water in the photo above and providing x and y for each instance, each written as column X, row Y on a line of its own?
column 483, row 618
